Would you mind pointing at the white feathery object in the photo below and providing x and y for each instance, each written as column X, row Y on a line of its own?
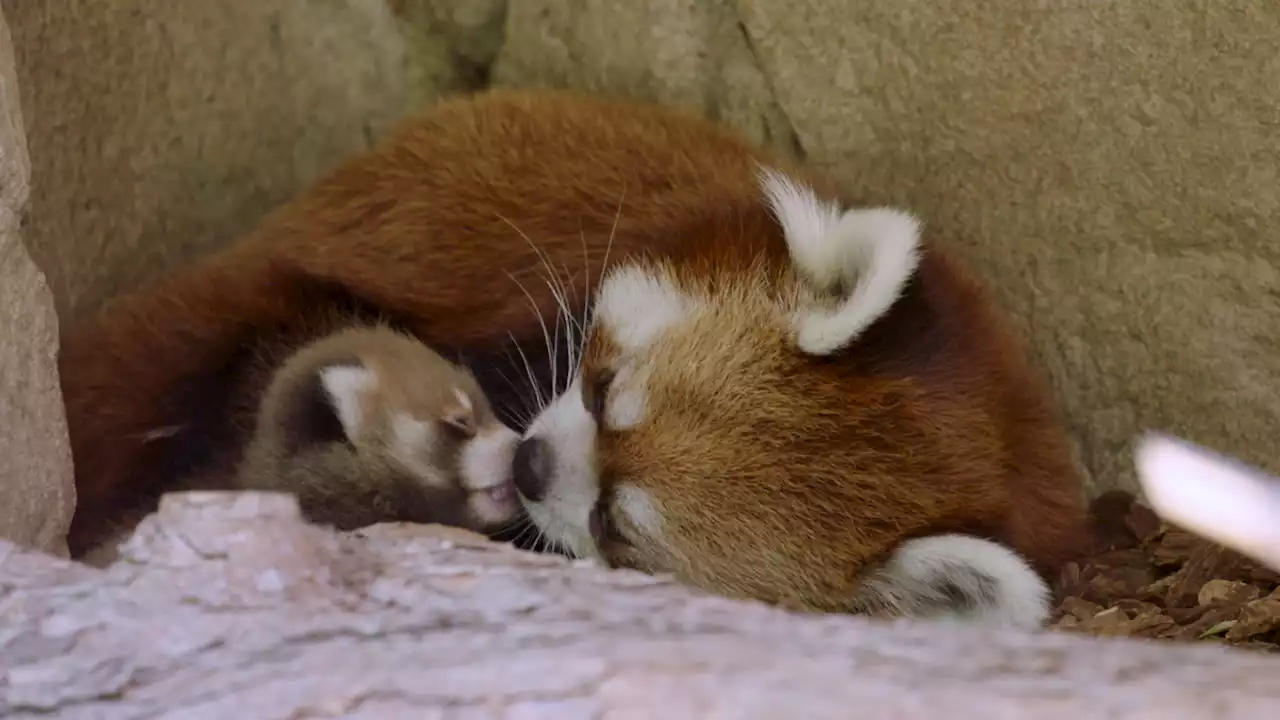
column 1212, row 495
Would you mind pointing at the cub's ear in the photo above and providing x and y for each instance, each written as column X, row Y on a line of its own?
column 345, row 395
column 320, row 408
column 855, row 262
column 956, row 577
column 307, row 405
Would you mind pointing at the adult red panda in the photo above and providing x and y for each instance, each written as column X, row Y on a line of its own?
column 759, row 387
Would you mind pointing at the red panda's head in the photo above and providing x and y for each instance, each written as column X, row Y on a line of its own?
column 371, row 413
column 712, row 430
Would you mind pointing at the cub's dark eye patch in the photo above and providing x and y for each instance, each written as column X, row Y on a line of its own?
column 309, row 416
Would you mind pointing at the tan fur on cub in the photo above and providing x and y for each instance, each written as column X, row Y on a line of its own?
column 368, row 425
column 781, row 395
column 364, row 425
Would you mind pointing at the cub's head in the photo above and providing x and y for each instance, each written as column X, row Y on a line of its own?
column 709, row 431
column 381, row 408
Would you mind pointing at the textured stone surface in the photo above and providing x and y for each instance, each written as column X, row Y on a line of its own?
column 1109, row 166
column 228, row 605
column 36, row 489
column 159, row 130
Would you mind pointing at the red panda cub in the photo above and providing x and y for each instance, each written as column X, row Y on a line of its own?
column 363, row 425
column 369, row 425
column 773, row 391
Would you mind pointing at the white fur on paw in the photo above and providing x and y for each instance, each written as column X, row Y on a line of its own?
column 962, row 578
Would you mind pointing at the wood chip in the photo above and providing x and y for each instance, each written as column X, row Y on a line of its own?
column 1227, row 592
column 1145, row 578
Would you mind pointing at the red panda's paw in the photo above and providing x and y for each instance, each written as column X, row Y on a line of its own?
column 957, row 577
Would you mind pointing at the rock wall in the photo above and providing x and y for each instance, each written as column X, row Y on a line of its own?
column 37, row 493
column 1110, row 167
column 160, row 130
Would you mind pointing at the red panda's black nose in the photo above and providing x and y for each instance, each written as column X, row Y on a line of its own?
column 531, row 468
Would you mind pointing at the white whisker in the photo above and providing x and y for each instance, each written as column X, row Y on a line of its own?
column 533, row 380
column 546, row 334
column 586, row 300
column 524, row 414
column 588, row 319
column 564, row 313
column 556, row 285
column 555, row 354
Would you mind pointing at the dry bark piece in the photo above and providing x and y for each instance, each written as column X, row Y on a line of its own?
column 1135, row 607
column 1257, row 618
column 1227, row 592
column 1263, row 574
column 1079, row 608
column 1188, row 615
column 1143, row 620
column 1207, row 562
column 1116, row 575
column 1156, row 591
column 1071, row 582
column 1208, row 619
column 1143, row 523
column 1149, row 625
column 1196, row 590
column 1175, row 547
column 1108, row 618
column 1066, row 622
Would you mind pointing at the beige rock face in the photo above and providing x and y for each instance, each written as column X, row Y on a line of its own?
column 230, row 606
column 691, row 54
column 1110, row 167
column 36, row 490
column 160, row 130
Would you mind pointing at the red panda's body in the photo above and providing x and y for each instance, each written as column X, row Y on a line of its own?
column 448, row 229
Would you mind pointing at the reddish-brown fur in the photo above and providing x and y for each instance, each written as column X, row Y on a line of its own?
column 929, row 423
column 423, row 230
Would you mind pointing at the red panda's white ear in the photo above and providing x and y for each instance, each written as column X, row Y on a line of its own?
column 867, row 255
column 636, row 302
column 347, row 387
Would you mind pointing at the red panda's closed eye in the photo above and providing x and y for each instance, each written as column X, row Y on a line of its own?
column 605, row 529
column 595, row 392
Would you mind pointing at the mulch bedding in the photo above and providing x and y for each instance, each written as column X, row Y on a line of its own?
column 1145, row 578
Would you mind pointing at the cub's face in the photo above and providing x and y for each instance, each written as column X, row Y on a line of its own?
column 408, row 417
column 706, row 435
column 452, row 444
